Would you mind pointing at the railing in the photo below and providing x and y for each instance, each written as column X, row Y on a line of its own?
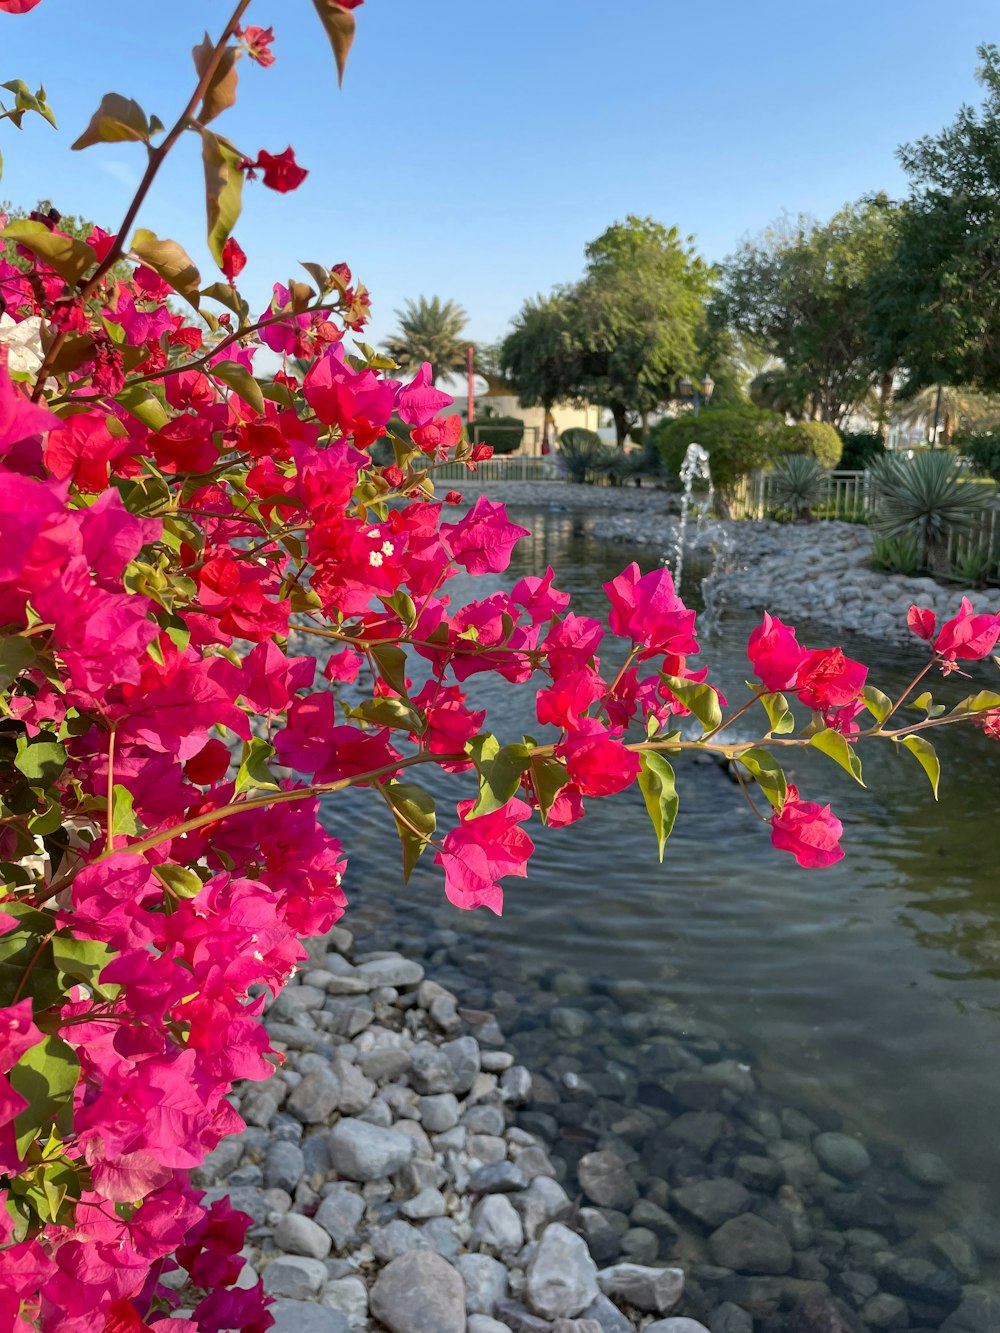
column 506, row 467
column 974, row 555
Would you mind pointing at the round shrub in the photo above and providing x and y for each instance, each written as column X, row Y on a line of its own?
column 982, row 449
column 814, row 439
column 738, row 440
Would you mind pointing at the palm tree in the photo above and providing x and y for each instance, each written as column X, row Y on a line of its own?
column 430, row 331
column 956, row 405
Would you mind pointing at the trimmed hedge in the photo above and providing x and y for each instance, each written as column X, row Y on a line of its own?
column 741, row 439
column 504, row 434
column 861, row 448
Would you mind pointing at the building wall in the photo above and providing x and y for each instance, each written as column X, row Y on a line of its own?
column 507, row 405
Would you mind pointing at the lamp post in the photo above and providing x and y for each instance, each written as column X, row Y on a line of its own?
column 696, row 395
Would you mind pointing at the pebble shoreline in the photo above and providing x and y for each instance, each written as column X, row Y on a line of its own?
column 405, row 1172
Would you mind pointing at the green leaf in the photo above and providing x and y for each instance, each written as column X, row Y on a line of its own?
column 240, row 381
column 226, row 295
column 656, row 782
column 124, row 823
column 832, row 744
column 701, row 699
column 779, row 715
column 15, row 654
column 339, row 26
column 144, row 405
column 926, row 757
column 390, row 713
column 45, row 1076
column 877, row 703
column 411, row 805
column 499, row 772
column 223, row 190
column 83, row 961
column 69, row 257
column 924, row 703
column 40, row 761
column 117, row 120
column 221, row 92
column 548, row 777
column 179, row 880
column 391, row 662
column 22, row 948
column 171, row 262
column 254, row 772
column 768, row 772
column 977, row 703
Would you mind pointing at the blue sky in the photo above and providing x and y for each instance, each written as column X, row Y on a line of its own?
column 476, row 148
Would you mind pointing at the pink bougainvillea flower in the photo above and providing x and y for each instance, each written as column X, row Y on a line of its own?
column 344, row 666
column 827, row 679
column 564, row 704
column 809, row 831
column 597, row 761
column 647, row 610
column 281, row 171
column 990, row 723
column 258, row 43
column 419, row 402
column 775, row 654
column 481, row 851
column 234, row 259
column 482, row 541
column 438, row 437
column 540, row 600
column 968, row 636
column 82, row 449
column 20, row 418
column 23, row 6
column 922, row 621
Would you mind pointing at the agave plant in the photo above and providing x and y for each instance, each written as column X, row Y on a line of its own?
column 899, row 555
column 927, row 497
column 798, row 484
column 583, row 451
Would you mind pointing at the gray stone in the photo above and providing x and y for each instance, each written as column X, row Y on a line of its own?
column 576, row 1326
column 840, row 1154
column 484, row 1119
column 428, row 1203
column 730, row 1318
column 654, row 1218
column 356, row 1091
column 886, row 1311
column 497, row 1178
column 517, row 1318
column 384, row 1062
column 675, row 1325
column 445, row 1236
column 361, row 1151
column 748, row 1244
column 855, row 1287
column 439, row 1112
column 295, row 1000
column 485, row 1281
column 957, row 1254
column 920, row 1280
column 655, row 1290
column 607, row 1316
column 640, row 1245
column 603, row 1240
column 817, row 1312
column 306, row 1317
column 349, row 1295
column 483, row 1323
column 296, row 1234
column 604, row 1179
column 339, row 1214
column 316, row 1098
column 978, row 1313
column 541, row 1202
column 569, row 1023
column 392, row 971
column 464, row 1058
column 758, row 1173
column 349, row 1016
column 700, row 1129
column 284, row 1166
column 419, row 1293
column 515, row 1085
column 798, row 1163
column 398, row 1238
column 294, row 1275
column 561, row 1277
column 860, row 1208
column 926, row 1168
column 712, row 1202
column 496, row 1224
column 984, row 1232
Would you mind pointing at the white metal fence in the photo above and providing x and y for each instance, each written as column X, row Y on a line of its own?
column 505, row 467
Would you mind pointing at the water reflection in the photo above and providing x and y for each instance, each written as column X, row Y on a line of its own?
column 871, row 987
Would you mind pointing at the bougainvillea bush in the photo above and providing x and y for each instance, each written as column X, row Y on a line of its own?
column 171, row 524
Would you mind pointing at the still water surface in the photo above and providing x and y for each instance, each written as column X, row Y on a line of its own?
column 872, row 987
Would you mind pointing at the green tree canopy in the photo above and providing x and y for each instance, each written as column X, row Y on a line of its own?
column 430, row 330
column 637, row 316
column 540, row 357
column 800, row 292
column 935, row 308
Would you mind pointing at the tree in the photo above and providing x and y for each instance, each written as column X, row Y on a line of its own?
column 68, row 223
column 430, row 331
column 935, row 307
column 540, row 356
column 637, row 316
column 800, row 292
column 949, row 407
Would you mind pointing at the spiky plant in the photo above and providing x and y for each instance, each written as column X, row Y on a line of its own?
column 799, row 484
column 583, row 451
column 927, row 497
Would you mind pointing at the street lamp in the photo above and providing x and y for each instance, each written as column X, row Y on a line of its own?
column 688, row 393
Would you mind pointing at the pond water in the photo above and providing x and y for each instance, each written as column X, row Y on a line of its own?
column 871, row 988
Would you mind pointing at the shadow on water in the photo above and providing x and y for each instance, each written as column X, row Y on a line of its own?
column 872, row 987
